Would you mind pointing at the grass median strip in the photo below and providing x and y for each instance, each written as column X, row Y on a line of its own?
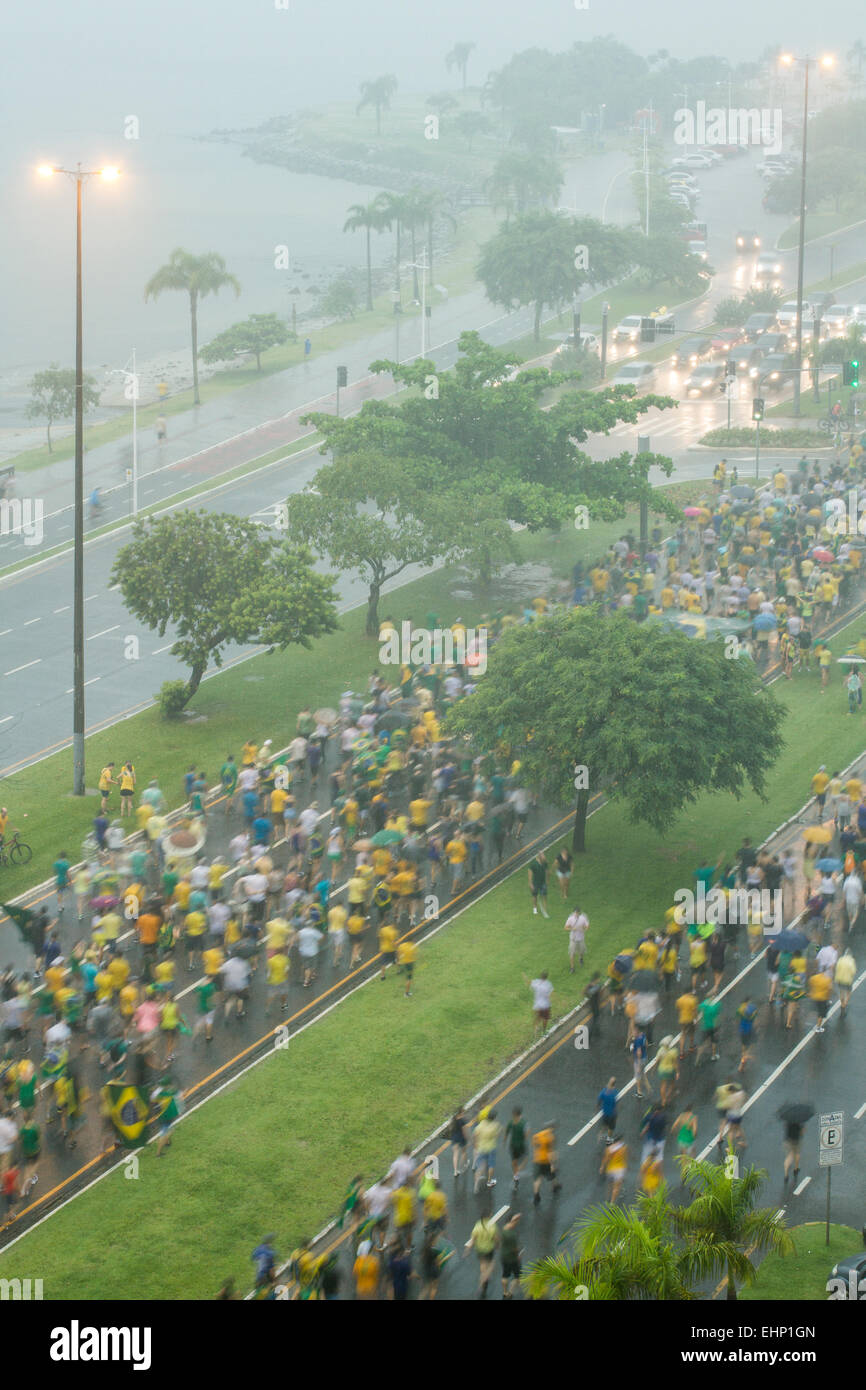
column 277, row 1147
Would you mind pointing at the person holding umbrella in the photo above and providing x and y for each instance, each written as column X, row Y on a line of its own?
column 854, row 687
column 794, row 1116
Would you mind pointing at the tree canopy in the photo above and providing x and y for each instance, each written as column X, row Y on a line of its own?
column 656, row 718
column 218, row 580
column 52, row 396
column 256, row 334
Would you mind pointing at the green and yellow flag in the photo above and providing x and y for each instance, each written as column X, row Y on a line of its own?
column 129, row 1109
column 22, row 917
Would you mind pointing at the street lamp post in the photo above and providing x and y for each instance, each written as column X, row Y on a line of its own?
column 605, row 309
column 79, row 175
column 825, row 62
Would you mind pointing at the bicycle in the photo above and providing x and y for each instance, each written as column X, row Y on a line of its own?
column 15, row 851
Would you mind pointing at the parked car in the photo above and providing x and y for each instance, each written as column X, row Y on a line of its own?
column 725, row 339
column 706, row 378
column 748, row 360
column 850, row 1275
column 690, row 352
column 773, row 165
column 628, row 329
column 683, row 200
column 859, row 314
column 748, row 241
column 775, row 371
column 756, row 324
column 692, row 161
column 711, row 153
column 639, row 374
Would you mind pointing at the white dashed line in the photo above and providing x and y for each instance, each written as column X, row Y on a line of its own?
column 32, row 620
column 494, row 1217
column 858, row 1114
column 6, row 718
column 65, row 609
column 91, row 597
column 103, row 632
column 27, row 664
column 92, row 681
column 801, row 1185
column 160, row 650
column 5, row 632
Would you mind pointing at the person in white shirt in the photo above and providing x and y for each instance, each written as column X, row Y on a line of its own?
column 827, row 958
column 248, row 779
column 8, row 1139
column 309, row 818
column 199, row 875
column 401, row 1169
column 239, row 846
column 542, row 993
column 309, row 939
column 218, row 915
column 236, row 981
column 576, row 924
column 852, row 892
column 58, row 1035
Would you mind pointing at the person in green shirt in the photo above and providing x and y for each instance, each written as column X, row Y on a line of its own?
column 229, row 780
column 61, row 880
column 165, row 1100
column 708, row 1014
column 170, row 880
column 207, row 1008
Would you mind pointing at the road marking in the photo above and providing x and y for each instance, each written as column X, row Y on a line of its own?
column 858, row 1114
column 32, row 620
column 160, row 650
column 5, row 632
column 92, row 681
column 103, row 632
column 91, row 597
column 801, row 1185
column 24, row 667
column 65, row 609
column 6, row 718
column 112, row 587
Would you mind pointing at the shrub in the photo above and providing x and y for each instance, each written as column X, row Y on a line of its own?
column 172, row 697
column 770, row 438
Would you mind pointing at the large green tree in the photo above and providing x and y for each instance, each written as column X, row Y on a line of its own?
column 195, row 276
column 536, row 260
column 520, row 179
column 52, row 396
column 256, row 334
column 219, row 580
column 656, row 718
column 458, row 57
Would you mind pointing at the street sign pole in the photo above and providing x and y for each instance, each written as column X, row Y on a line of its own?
column 831, row 1152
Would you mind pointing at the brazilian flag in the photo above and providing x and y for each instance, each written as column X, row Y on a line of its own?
column 23, row 919
column 129, row 1109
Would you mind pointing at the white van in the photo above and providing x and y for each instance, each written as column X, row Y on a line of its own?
column 639, row 374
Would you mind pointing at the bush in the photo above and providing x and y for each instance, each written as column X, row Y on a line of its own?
column 761, row 301
column 172, row 697
column 770, row 438
column 729, row 312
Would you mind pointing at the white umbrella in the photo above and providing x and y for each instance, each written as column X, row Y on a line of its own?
column 850, row 661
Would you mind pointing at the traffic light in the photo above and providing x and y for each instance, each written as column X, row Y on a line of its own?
column 731, row 367
column 342, row 376
column 757, row 408
column 647, row 331
column 851, row 372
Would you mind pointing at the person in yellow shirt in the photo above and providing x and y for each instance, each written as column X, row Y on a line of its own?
column 431, row 723
column 143, row 814
column 163, row 974
column 216, row 874
column 407, row 954
column 104, row 986
column 475, row 811
column 403, row 887
column 127, row 789
column 278, row 979
column 382, row 861
column 668, row 597
column 279, row 797
column 419, row 812
column 687, row 1013
column 455, row 852
column 180, row 896
column 105, row 783
column 646, row 956
column 108, row 928
column 820, row 783
column 388, row 936
column 213, row 959
column 403, row 1203
column 276, row 935
column 194, row 928
column 337, row 917
column 128, row 1000
column 249, row 752
column 118, row 969
column 357, row 926
column 820, row 988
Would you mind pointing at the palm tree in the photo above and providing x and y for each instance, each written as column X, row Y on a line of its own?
column 724, row 1228
column 377, row 94
column 391, row 208
column 622, row 1254
column 520, row 178
column 198, row 276
column 431, row 205
column 370, row 219
column 459, row 58
column 414, row 216
column 857, row 54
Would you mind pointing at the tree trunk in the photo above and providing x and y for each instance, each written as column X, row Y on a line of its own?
column 193, row 317
column 578, row 839
column 369, row 273
column 372, row 628
column 731, row 1294
column 537, row 327
column 195, row 680
column 50, row 450
column 258, row 360
column 485, row 570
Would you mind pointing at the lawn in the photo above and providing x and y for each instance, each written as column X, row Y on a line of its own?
column 818, row 224
column 276, row 1150
column 802, row 1278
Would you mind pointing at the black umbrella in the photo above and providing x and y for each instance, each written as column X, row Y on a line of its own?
column 742, row 490
column 245, row 948
column 795, row 1112
column 392, row 720
column 645, row 981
